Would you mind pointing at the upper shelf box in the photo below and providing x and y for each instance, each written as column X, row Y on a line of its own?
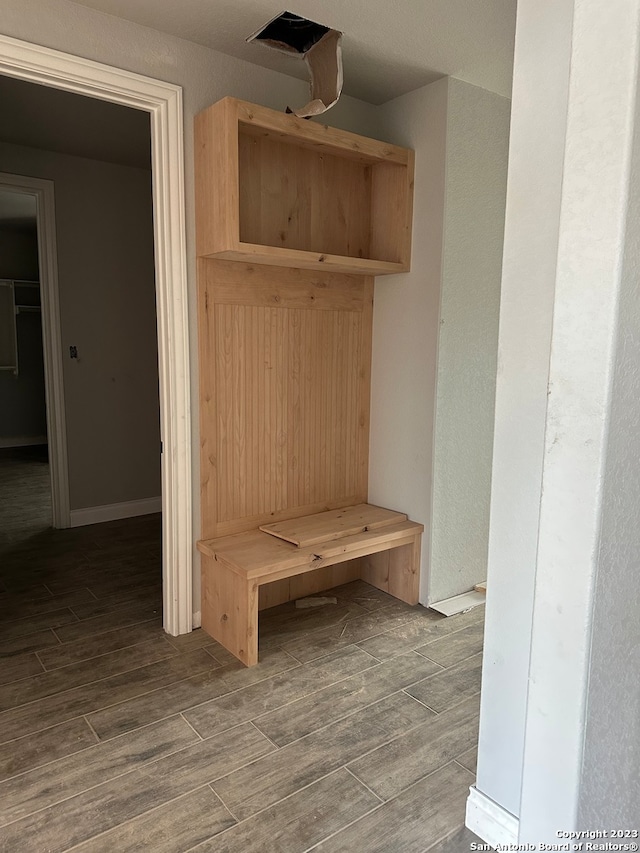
column 275, row 189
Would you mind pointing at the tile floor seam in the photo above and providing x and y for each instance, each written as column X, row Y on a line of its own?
column 451, row 665
column 102, row 707
column 385, row 803
column 312, row 692
column 94, row 657
column 45, row 729
column 363, row 783
column 219, row 798
column 239, row 689
column 91, row 787
column 76, row 686
column 136, row 817
column 53, row 631
column 94, row 732
column 423, row 703
column 343, row 828
column 182, row 716
column 274, row 745
column 71, row 796
column 345, row 717
column 284, row 799
column 439, row 840
column 35, row 615
column 315, row 731
column 455, row 761
column 346, row 620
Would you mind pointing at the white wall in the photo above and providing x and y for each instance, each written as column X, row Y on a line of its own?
column 536, row 153
column 205, row 75
column 611, row 737
column 560, row 701
column 405, row 323
column 107, row 310
column 476, row 178
column 445, row 309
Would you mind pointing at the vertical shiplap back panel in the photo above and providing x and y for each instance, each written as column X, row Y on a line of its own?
column 285, row 374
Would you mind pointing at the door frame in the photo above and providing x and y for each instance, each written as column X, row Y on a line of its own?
column 163, row 102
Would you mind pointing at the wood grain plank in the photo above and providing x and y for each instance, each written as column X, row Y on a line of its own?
column 100, row 694
column 300, row 821
column 104, row 807
column 84, row 672
column 397, row 765
column 67, row 777
column 326, row 526
column 431, row 626
column 26, row 753
column 419, row 817
column 456, row 647
column 251, row 789
column 458, row 683
column 262, row 697
column 177, row 826
column 183, row 695
column 301, row 717
column 285, row 351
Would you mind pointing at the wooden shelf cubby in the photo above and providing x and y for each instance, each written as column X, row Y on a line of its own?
column 278, row 190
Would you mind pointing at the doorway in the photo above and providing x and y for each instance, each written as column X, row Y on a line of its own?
column 162, row 102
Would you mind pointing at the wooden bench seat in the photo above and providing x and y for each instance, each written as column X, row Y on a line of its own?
column 234, row 567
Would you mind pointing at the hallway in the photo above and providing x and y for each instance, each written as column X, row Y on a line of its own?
column 357, row 730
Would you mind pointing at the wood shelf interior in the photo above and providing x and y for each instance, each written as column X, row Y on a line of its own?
column 299, row 198
column 292, row 186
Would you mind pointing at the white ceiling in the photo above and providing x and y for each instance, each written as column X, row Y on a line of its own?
column 389, row 47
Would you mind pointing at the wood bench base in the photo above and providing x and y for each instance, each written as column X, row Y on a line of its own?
column 235, row 567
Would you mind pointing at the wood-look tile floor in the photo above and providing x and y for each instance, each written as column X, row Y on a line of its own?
column 357, row 730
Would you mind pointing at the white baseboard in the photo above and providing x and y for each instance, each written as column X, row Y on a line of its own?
column 112, row 512
column 459, row 603
column 23, row 441
column 490, row 821
column 197, row 620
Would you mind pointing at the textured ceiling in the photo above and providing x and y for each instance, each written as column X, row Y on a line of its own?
column 389, row 47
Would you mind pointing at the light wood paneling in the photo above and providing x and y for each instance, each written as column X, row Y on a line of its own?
column 274, row 189
column 230, row 611
column 216, row 189
column 309, row 583
column 404, row 569
column 292, row 198
column 285, row 374
column 392, row 212
column 395, row 571
column 375, row 570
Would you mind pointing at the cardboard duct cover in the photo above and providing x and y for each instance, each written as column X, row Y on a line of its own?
column 321, row 49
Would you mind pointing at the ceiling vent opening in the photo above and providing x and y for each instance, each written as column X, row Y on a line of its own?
column 290, row 33
column 321, row 49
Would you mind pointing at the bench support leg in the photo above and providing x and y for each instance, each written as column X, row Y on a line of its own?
column 396, row 571
column 230, row 610
column 404, row 571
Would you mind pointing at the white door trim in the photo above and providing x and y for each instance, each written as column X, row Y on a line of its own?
column 43, row 191
column 163, row 102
